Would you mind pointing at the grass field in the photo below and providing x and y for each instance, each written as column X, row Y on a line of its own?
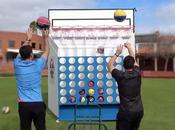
column 158, row 98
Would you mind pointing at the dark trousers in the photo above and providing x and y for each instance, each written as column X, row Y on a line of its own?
column 32, row 111
column 129, row 120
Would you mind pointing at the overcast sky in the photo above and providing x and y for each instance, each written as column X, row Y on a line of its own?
column 151, row 15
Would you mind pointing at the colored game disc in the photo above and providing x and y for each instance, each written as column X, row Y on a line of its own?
column 81, row 91
column 91, row 83
column 72, row 99
column 100, row 91
column 82, row 99
column 100, row 99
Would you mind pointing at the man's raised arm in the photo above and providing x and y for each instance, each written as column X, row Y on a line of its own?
column 46, row 42
column 112, row 60
column 131, row 52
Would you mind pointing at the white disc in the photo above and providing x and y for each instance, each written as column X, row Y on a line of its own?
column 90, row 75
column 109, row 83
column 99, row 60
column 63, row 100
column 63, row 84
column 62, row 60
column 90, row 68
column 99, row 75
column 71, row 60
column 81, row 83
column 62, row 76
column 72, row 84
column 100, row 83
column 62, row 68
column 107, row 59
column 72, row 76
column 81, row 60
column 81, row 68
column 118, row 99
column 108, row 76
column 119, row 67
column 109, row 91
column 99, row 67
column 117, row 92
column 90, row 60
column 81, row 76
column 72, row 92
column 63, row 92
column 109, row 99
column 71, row 68
column 118, row 60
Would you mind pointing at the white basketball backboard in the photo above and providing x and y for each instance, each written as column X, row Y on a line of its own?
column 88, row 17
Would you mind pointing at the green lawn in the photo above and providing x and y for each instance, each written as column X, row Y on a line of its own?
column 158, row 98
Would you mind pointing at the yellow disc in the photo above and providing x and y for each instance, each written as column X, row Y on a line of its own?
column 91, row 92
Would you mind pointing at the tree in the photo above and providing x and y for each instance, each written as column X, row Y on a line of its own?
column 165, row 48
column 33, row 25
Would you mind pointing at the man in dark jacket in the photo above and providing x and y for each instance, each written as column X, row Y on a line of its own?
column 129, row 86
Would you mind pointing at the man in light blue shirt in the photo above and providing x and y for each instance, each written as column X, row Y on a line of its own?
column 28, row 73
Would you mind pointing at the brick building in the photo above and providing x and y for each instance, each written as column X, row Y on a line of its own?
column 10, row 42
column 156, row 54
column 151, row 52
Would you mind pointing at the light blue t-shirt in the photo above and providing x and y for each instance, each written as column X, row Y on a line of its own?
column 28, row 77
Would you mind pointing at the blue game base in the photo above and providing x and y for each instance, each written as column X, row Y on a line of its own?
column 108, row 112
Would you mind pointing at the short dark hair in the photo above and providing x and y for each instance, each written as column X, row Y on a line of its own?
column 25, row 51
column 128, row 62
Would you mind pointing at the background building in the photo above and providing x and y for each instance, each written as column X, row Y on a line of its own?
column 10, row 42
column 155, row 53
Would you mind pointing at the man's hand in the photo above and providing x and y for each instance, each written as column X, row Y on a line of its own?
column 127, row 45
column 45, row 34
column 29, row 34
column 119, row 49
